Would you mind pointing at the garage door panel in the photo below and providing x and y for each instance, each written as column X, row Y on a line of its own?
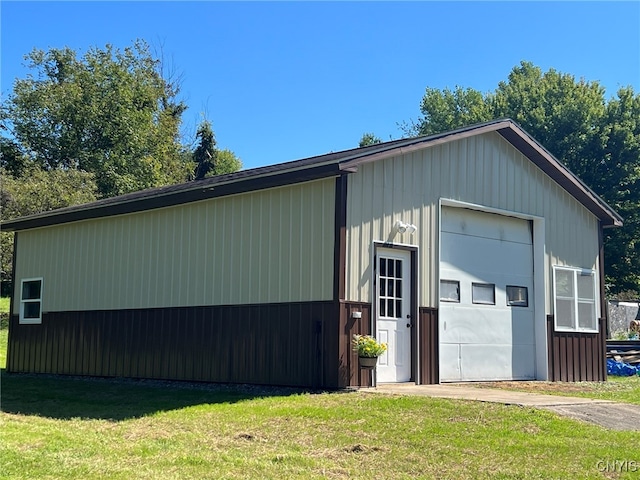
column 449, row 363
column 485, row 225
column 480, row 255
column 496, row 362
column 468, row 325
column 493, row 341
column 524, row 329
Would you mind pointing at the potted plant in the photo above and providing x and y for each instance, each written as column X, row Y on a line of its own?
column 369, row 349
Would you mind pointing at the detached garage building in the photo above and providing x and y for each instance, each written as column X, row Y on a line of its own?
column 475, row 254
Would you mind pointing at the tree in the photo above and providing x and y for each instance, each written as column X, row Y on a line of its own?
column 38, row 191
column 368, row 139
column 110, row 113
column 447, row 110
column 226, row 162
column 616, row 176
column 209, row 160
column 596, row 139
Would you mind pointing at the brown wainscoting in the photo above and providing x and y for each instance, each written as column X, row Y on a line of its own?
column 269, row 344
column 577, row 357
column 350, row 374
column 428, row 344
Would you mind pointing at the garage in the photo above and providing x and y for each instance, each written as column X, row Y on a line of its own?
column 486, row 326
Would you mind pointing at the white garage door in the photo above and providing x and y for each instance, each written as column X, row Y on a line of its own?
column 486, row 297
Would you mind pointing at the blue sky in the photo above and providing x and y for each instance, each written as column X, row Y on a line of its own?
column 282, row 81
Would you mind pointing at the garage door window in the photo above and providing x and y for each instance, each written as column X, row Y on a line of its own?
column 517, row 296
column 575, row 299
column 483, row 293
column 450, row 291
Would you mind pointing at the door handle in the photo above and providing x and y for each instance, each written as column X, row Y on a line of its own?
column 409, row 325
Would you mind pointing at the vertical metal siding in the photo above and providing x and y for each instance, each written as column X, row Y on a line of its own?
column 484, row 170
column 276, row 344
column 269, row 246
column 429, row 353
column 577, row 357
column 350, row 372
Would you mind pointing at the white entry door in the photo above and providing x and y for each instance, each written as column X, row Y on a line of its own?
column 393, row 309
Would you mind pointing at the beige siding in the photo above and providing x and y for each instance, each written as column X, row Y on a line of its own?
column 484, row 170
column 268, row 246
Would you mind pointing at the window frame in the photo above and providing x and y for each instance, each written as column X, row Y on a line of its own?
column 577, row 300
column 30, row 321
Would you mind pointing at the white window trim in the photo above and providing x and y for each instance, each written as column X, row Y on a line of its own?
column 30, row 321
column 576, row 328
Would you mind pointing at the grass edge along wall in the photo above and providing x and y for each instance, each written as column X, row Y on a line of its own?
column 335, row 209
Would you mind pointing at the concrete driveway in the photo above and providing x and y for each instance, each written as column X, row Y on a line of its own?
column 608, row 414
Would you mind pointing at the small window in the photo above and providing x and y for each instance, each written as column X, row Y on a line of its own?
column 483, row 293
column 31, row 301
column 517, row 296
column 450, row 291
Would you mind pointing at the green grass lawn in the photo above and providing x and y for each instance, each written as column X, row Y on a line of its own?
column 53, row 427
column 4, row 304
column 72, row 428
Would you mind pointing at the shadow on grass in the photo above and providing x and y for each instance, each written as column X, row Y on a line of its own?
column 64, row 397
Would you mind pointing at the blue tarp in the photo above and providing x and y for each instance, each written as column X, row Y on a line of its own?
column 621, row 369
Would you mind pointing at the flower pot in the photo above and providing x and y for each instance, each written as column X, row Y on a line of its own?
column 368, row 363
